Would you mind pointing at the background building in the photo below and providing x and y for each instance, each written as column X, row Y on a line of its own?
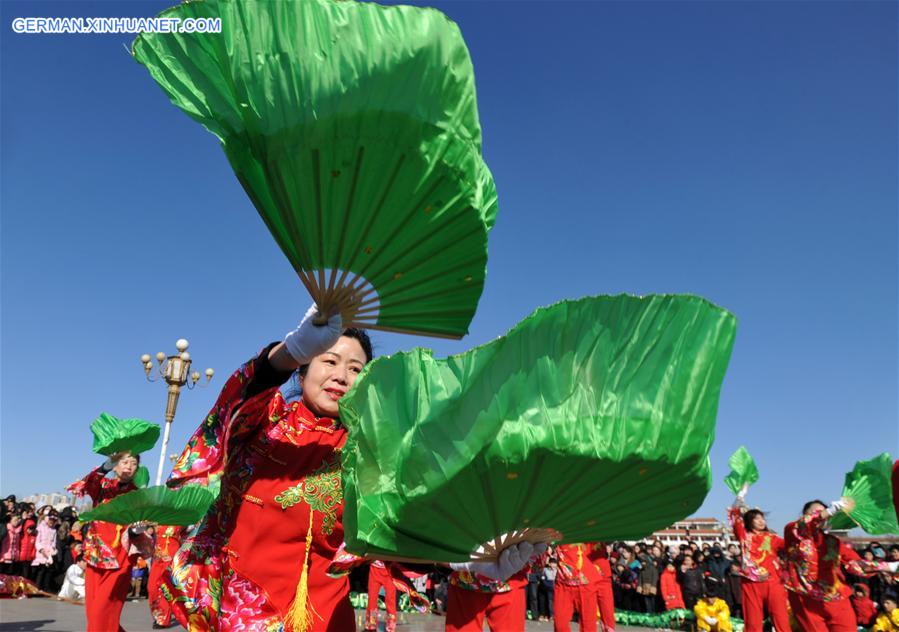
column 700, row 530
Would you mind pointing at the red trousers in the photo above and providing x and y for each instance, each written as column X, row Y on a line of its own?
column 823, row 616
column 606, row 603
column 105, row 591
column 757, row 596
column 378, row 577
column 569, row 599
column 160, row 608
column 466, row 610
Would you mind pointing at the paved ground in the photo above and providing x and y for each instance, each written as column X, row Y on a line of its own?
column 46, row 615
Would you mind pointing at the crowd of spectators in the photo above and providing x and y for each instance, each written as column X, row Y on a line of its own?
column 39, row 544
column 43, row 545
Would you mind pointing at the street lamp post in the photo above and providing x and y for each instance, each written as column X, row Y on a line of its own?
column 175, row 370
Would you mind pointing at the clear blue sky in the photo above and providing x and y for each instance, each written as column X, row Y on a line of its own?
column 743, row 151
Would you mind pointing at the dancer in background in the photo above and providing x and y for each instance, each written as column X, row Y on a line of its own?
column 819, row 594
column 761, row 586
column 107, row 577
column 599, row 555
column 378, row 577
column 576, row 588
column 168, row 539
column 491, row 591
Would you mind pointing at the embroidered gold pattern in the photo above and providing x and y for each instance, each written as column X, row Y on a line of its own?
column 321, row 490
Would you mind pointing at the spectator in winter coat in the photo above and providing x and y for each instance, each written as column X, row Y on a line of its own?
column 865, row 610
column 7, row 508
column 888, row 619
column 670, row 588
column 690, row 582
column 10, row 545
column 716, row 564
column 45, row 550
column 712, row 614
column 27, row 548
column 624, row 583
column 733, row 585
column 648, row 586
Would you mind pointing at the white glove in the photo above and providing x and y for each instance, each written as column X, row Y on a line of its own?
column 743, row 491
column 309, row 340
column 893, row 566
column 836, row 507
column 711, row 620
column 510, row 561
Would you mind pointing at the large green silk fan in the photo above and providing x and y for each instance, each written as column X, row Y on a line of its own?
column 159, row 504
column 112, row 435
column 868, row 484
column 593, row 418
column 353, row 128
column 743, row 470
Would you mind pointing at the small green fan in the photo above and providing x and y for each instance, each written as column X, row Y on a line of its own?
column 354, row 130
column 590, row 420
column 112, row 435
column 743, row 470
column 869, row 485
column 158, row 504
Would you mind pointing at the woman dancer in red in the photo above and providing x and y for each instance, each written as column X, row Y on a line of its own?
column 168, row 539
column 761, row 586
column 819, row 594
column 107, row 578
column 599, row 555
column 576, row 588
column 260, row 558
column 491, row 591
column 378, row 577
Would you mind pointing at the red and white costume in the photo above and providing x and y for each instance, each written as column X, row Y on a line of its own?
column 819, row 595
column 760, row 585
column 107, row 578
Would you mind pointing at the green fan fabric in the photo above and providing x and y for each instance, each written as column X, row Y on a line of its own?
column 142, row 477
column 869, row 485
column 592, row 417
column 353, row 128
column 743, row 470
column 159, row 504
column 112, row 435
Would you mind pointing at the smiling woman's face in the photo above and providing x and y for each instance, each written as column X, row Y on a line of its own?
column 330, row 375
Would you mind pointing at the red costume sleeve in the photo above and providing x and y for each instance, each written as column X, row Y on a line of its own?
column 780, row 547
column 857, row 566
column 91, row 485
column 810, row 525
column 736, row 522
column 202, row 461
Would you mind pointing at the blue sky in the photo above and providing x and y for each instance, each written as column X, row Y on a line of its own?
column 743, row 151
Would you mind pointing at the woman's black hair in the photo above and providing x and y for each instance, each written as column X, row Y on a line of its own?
column 806, row 506
column 749, row 516
column 356, row 334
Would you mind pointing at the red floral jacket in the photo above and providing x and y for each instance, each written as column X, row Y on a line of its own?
column 105, row 545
